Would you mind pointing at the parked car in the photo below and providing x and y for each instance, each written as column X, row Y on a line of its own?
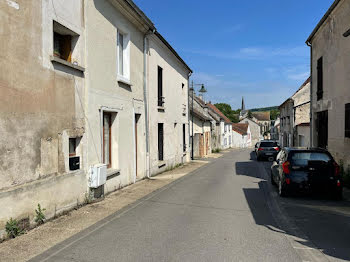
column 307, row 170
column 267, row 149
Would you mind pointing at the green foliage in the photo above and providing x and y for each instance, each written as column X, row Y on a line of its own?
column 226, row 109
column 250, row 115
column 12, row 228
column 40, row 216
column 274, row 113
column 264, row 109
column 216, row 150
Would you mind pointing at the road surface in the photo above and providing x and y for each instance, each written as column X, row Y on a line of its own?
column 225, row 211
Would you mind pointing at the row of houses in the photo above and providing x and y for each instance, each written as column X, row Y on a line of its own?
column 85, row 87
column 318, row 114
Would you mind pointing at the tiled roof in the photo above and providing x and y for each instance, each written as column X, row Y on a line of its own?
column 240, row 128
column 304, row 124
column 262, row 116
column 200, row 115
column 214, row 108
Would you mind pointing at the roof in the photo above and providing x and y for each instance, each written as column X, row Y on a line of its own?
column 165, row 42
column 199, row 100
column 240, row 128
column 216, row 110
column 287, row 100
column 307, row 81
column 262, row 116
column 142, row 17
column 200, row 115
column 324, row 18
column 247, row 118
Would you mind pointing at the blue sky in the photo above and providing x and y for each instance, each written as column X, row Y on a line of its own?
column 254, row 49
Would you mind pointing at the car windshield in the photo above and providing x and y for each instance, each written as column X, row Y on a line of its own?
column 302, row 158
column 268, row 144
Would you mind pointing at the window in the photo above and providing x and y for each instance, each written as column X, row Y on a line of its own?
column 160, row 141
column 319, row 78
column 183, row 85
column 64, row 41
column 74, row 159
column 107, row 139
column 347, row 120
column 123, row 56
column 184, row 137
column 160, row 86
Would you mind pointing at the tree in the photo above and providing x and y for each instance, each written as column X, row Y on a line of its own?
column 274, row 114
column 228, row 112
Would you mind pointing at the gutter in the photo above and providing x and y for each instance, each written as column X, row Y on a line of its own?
column 145, row 91
column 324, row 18
column 311, row 84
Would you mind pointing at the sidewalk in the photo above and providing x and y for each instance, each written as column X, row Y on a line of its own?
column 53, row 232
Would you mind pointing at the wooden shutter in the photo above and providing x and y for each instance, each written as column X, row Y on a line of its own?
column 184, row 137
column 160, row 86
column 319, row 78
column 347, row 120
column 160, row 141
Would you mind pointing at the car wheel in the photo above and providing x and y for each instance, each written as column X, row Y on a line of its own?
column 272, row 181
column 281, row 189
column 338, row 195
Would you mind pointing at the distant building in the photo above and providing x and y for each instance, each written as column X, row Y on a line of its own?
column 254, row 129
column 264, row 120
column 241, row 135
column 294, row 117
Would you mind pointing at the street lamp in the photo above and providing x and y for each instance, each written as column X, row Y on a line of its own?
column 202, row 90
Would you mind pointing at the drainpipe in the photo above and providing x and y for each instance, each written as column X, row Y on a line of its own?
column 189, row 110
column 311, row 114
column 145, row 70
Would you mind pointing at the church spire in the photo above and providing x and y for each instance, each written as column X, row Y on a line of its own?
column 243, row 105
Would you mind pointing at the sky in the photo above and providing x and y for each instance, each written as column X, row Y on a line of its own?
column 253, row 49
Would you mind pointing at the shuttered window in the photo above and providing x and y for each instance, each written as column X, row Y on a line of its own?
column 160, row 141
column 347, row 120
column 160, row 86
column 320, row 78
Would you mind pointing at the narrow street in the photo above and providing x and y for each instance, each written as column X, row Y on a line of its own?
column 225, row 211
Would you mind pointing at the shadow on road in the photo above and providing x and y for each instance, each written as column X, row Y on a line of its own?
column 320, row 223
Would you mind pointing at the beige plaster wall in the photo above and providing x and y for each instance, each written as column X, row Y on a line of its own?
column 335, row 50
column 175, row 112
column 105, row 92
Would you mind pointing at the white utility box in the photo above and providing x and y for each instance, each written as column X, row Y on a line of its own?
column 98, row 175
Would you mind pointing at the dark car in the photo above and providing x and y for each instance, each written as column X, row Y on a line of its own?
column 308, row 170
column 267, row 149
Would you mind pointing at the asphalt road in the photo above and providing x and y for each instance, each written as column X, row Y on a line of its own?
column 224, row 211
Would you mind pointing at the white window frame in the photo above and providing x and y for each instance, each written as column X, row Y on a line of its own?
column 125, row 77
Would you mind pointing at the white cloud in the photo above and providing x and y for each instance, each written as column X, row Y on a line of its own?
column 255, row 53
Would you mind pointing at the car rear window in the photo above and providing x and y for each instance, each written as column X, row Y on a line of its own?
column 302, row 158
column 268, row 144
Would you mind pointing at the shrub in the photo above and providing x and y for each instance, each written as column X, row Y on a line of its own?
column 40, row 216
column 12, row 228
column 216, row 150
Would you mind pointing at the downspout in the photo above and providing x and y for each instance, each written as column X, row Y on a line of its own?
column 145, row 70
column 311, row 114
column 189, row 111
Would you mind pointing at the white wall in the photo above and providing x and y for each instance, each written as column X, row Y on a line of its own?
column 175, row 111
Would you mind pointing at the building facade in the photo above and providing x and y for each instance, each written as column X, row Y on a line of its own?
column 301, row 106
column 80, row 90
column 200, row 127
column 254, row 129
column 241, row 136
column 330, row 96
column 42, row 109
column 167, row 93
